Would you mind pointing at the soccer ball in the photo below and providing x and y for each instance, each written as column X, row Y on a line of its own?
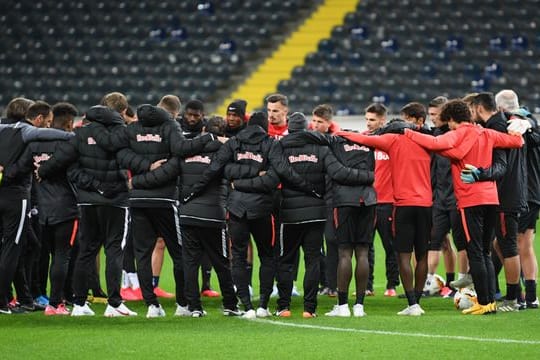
column 465, row 298
column 434, row 286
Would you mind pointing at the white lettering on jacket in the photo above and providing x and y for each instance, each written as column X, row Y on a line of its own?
column 379, row 155
column 198, row 159
column 43, row 157
column 303, row 158
column 149, row 137
column 91, row 141
column 353, row 147
column 248, row 155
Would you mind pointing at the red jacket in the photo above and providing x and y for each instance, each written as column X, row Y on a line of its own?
column 409, row 165
column 277, row 132
column 469, row 144
column 383, row 177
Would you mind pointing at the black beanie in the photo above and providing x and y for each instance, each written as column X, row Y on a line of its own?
column 238, row 107
column 297, row 122
column 259, row 118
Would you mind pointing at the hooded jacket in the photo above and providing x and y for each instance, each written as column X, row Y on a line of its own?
column 94, row 170
column 250, row 150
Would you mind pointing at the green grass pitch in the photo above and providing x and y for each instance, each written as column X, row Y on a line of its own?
column 442, row 333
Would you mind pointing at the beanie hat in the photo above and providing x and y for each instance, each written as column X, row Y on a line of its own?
column 238, row 107
column 297, row 122
column 259, row 118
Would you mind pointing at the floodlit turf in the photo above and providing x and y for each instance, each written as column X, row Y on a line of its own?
column 442, row 333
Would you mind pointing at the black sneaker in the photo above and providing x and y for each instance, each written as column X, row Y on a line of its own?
column 233, row 312
column 532, row 304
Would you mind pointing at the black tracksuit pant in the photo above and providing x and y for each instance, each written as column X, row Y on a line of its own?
column 383, row 226
column 310, row 237
column 212, row 241
column 13, row 216
column 107, row 226
column 262, row 230
column 147, row 225
column 479, row 227
column 59, row 238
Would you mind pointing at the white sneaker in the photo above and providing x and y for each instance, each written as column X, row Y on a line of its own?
column 250, row 314
column 82, row 310
column 121, row 310
column 262, row 313
column 340, row 310
column 294, row 291
column 358, row 310
column 182, row 311
column 413, row 310
column 155, row 311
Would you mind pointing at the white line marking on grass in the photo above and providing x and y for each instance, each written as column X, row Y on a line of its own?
column 396, row 333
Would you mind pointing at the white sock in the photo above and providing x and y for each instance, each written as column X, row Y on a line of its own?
column 134, row 280
column 125, row 280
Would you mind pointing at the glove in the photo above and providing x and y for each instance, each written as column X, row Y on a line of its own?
column 188, row 197
column 470, row 174
column 519, row 125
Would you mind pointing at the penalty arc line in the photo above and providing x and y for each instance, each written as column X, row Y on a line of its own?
column 396, row 333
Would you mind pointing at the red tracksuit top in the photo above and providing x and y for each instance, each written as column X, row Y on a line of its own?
column 469, row 144
column 383, row 177
column 277, row 132
column 409, row 167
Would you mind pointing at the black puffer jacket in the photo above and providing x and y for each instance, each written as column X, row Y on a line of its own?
column 95, row 172
column 308, row 154
column 441, row 178
column 362, row 159
column 55, row 196
column 148, row 140
column 532, row 138
column 512, row 185
column 14, row 138
column 207, row 209
column 251, row 148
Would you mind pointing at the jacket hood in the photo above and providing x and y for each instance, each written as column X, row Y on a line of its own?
column 301, row 138
column 150, row 115
column 252, row 135
column 104, row 115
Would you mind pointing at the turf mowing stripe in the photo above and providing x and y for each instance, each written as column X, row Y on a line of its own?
column 395, row 333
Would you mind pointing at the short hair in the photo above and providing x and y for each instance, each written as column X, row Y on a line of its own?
column 324, row 111
column 438, row 101
column 216, row 125
column 171, row 103
column 130, row 112
column 63, row 113
column 415, row 110
column 17, row 108
column 38, row 108
column 507, row 100
column 377, row 108
column 194, row 105
column 469, row 98
column 274, row 98
column 486, row 100
column 457, row 110
column 115, row 101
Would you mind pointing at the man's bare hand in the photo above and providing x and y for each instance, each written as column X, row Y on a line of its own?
column 157, row 164
column 262, row 173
